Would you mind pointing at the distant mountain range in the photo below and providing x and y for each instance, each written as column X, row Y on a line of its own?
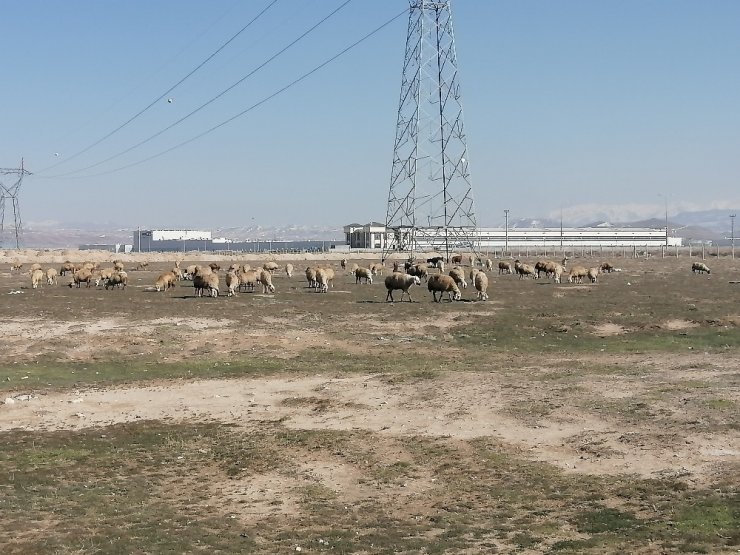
column 706, row 225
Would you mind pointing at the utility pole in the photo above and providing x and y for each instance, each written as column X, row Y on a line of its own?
column 506, row 230
column 11, row 192
column 732, row 233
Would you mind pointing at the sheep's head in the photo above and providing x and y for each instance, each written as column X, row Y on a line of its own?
column 417, row 281
column 457, row 295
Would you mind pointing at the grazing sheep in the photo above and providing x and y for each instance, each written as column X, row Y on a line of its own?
column 593, row 274
column 440, row 283
column 472, row 273
column 401, row 281
column 165, row 281
column 353, row 268
column 34, row 266
column 270, row 266
column 214, row 266
column 311, row 276
column 117, row 265
column 266, row 281
column 555, row 271
column 81, row 276
column 489, row 264
column 16, row 267
column 700, row 267
column 577, row 273
column 190, row 272
column 232, row 283
column 418, row 270
column 396, row 266
column 456, row 259
column 363, row 273
column 471, row 259
column 248, row 280
column 436, row 262
column 51, row 276
column 101, row 276
column 524, row 269
column 343, row 263
column 177, row 272
column 329, row 273
column 481, row 285
column 539, row 267
column 607, row 268
column 117, row 279
column 37, row 278
column 203, row 281
column 289, row 270
column 458, row 275
column 377, row 269
column 142, row 265
column 504, row 268
column 67, row 268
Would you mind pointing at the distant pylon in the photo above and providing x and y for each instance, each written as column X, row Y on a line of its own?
column 11, row 192
column 430, row 202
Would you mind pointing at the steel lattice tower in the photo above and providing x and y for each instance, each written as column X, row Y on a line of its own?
column 430, row 203
column 11, row 192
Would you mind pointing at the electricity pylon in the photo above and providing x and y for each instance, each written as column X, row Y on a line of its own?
column 11, row 192
column 430, row 203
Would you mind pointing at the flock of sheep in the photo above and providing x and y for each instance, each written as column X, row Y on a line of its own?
column 241, row 277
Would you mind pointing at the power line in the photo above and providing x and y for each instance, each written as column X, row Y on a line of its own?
column 255, row 105
column 208, row 102
column 164, row 94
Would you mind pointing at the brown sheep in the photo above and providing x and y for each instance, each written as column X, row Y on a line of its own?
column 165, row 281
column 440, row 283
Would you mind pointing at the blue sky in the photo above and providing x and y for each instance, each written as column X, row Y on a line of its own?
column 595, row 108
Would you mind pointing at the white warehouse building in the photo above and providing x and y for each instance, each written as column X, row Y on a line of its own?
column 375, row 236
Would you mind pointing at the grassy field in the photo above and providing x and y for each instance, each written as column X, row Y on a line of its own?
column 594, row 418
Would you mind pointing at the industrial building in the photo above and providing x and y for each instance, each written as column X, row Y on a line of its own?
column 374, row 235
column 184, row 240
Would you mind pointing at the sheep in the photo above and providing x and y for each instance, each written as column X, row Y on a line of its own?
column 700, row 267
column 322, row 280
column 205, row 281
column 177, row 272
column 504, row 268
column 489, row 264
column 353, row 268
column 607, row 268
column 481, row 285
column 117, row 279
column 435, row 260
column 524, row 269
column 554, row 270
column 593, row 274
column 80, row 277
column 419, row 270
column 343, row 263
column 51, row 276
column 539, row 267
column 142, row 265
column 440, row 283
column 289, row 270
column 472, row 273
column 67, row 268
column 266, row 281
column 165, row 281
column 329, row 273
column 397, row 280
column 377, row 269
column 16, row 267
column 363, row 273
column 248, row 280
column 311, row 276
column 34, row 266
column 270, row 266
column 456, row 259
column 37, row 278
column 458, row 275
column 577, row 273
column 214, row 266
column 117, row 265
column 190, row 272
column 471, row 259
column 232, row 283
column 396, row 266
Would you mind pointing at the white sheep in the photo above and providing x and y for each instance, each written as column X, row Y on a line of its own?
column 577, row 273
column 363, row 273
column 472, row 273
column 266, row 281
column 593, row 274
column 481, row 285
column 232, row 283
column 51, row 276
column 322, row 280
column 401, row 281
column 489, row 264
column 289, row 270
column 37, row 278
column 203, row 281
column 418, row 270
column 377, row 269
column 117, row 265
column 117, row 279
column 440, row 283
column 270, row 266
column 311, row 277
column 248, row 279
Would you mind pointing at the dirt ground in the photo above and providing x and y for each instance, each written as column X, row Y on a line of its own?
column 635, row 375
